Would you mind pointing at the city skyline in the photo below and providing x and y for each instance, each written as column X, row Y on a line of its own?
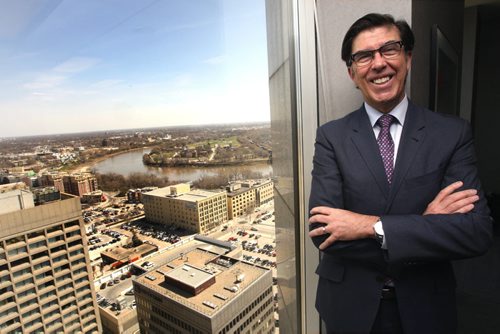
column 96, row 66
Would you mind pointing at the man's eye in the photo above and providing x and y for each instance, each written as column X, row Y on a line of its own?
column 390, row 49
column 362, row 57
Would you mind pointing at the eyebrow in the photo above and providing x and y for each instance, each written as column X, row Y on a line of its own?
column 388, row 42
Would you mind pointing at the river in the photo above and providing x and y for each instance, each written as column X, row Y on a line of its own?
column 131, row 162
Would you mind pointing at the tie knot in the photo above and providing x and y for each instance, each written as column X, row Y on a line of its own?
column 385, row 120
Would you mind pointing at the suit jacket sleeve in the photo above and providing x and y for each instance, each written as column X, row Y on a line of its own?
column 416, row 238
column 327, row 190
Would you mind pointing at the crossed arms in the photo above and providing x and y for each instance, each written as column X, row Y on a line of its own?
column 346, row 225
column 454, row 224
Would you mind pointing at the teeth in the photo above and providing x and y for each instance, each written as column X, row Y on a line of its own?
column 381, row 80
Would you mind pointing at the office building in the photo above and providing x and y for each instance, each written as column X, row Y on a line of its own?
column 195, row 210
column 264, row 191
column 244, row 196
column 203, row 292
column 135, row 195
column 45, row 280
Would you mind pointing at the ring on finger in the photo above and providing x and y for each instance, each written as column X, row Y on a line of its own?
column 324, row 229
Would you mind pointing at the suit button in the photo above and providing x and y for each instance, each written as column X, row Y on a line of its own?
column 380, row 278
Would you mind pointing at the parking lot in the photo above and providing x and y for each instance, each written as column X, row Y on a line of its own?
column 117, row 294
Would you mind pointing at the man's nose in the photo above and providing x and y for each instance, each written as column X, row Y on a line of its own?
column 378, row 60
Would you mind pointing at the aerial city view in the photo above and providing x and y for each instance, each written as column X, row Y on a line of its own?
column 136, row 185
column 98, row 238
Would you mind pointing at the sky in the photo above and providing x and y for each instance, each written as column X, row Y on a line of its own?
column 75, row 66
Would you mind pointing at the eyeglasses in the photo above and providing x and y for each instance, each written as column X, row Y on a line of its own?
column 388, row 51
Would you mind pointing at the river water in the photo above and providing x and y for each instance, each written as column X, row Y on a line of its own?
column 131, row 162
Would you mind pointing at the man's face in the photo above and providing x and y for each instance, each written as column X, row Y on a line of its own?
column 382, row 82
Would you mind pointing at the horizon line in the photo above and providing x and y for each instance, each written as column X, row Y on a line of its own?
column 131, row 129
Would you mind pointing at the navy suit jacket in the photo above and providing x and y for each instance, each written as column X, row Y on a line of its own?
column 435, row 150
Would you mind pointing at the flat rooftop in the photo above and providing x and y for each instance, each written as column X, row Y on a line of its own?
column 189, row 275
column 191, row 196
column 210, row 301
column 238, row 191
column 121, row 252
column 197, row 195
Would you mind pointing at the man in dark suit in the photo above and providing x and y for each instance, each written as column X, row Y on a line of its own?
column 395, row 197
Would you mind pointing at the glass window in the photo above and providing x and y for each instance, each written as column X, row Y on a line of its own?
column 17, row 251
column 12, row 241
column 149, row 65
column 37, row 244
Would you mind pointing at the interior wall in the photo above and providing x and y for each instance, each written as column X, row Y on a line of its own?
column 448, row 15
column 478, row 279
column 468, row 62
column 486, row 111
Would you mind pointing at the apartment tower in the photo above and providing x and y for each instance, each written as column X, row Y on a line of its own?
column 45, row 275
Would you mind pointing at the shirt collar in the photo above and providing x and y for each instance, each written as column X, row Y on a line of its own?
column 399, row 112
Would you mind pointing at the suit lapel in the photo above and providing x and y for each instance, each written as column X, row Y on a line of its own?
column 366, row 144
column 411, row 139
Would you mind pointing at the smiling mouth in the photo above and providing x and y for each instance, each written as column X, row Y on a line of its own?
column 383, row 80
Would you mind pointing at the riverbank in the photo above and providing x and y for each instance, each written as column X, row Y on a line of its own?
column 87, row 166
column 212, row 163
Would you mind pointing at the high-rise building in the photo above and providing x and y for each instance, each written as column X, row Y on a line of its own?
column 195, row 210
column 203, row 292
column 45, row 275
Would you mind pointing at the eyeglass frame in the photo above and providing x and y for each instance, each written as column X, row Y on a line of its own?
column 372, row 52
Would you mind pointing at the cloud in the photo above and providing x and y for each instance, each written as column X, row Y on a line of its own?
column 76, row 64
column 105, row 83
column 45, row 81
column 215, row 60
column 61, row 73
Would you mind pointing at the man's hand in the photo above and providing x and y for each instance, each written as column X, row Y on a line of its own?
column 341, row 225
column 449, row 200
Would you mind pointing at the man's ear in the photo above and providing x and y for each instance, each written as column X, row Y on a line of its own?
column 351, row 73
column 408, row 60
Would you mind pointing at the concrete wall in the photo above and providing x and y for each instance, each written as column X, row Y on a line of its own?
column 16, row 200
column 38, row 217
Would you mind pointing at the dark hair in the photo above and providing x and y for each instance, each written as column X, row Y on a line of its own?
column 374, row 20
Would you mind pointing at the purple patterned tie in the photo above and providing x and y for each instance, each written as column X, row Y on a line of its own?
column 386, row 144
